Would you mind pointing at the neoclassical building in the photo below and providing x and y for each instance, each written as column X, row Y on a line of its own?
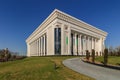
column 62, row 34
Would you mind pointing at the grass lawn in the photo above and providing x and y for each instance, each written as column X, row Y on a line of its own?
column 114, row 60
column 38, row 68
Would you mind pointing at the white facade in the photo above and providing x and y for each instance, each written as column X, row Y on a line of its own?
column 62, row 34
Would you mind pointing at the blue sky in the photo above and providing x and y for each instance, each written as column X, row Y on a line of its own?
column 19, row 18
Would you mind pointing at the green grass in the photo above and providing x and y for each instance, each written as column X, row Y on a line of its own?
column 114, row 60
column 38, row 68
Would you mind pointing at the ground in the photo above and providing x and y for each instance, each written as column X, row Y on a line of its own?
column 39, row 68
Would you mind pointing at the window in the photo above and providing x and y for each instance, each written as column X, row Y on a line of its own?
column 57, row 37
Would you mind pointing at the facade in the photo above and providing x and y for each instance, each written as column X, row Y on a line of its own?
column 62, row 34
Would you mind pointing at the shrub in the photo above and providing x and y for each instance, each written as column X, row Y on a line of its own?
column 100, row 53
column 93, row 55
column 105, row 56
column 96, row 53
column 87, row 55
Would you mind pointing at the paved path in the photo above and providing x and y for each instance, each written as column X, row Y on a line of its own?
column 97, row 72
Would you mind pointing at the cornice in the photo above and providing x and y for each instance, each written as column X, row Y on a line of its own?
column 63, row 16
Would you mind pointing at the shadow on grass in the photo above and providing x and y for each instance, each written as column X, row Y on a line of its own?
column 102, row 65
column 118, row 64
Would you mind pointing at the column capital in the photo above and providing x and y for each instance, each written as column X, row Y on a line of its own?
column 96, row 39
column 85, row 36
column 80, row 35
column 75, row 33
column 88, row 37
column 93, row 38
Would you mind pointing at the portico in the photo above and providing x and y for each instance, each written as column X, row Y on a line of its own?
column 62, row 34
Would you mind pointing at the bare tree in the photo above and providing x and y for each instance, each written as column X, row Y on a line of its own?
column 117, row 51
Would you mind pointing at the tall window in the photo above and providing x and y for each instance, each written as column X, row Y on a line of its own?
column 57, row 37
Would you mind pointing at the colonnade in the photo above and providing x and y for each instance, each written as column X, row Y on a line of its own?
column 82, row 42
column 38, row 46
column 78, row 42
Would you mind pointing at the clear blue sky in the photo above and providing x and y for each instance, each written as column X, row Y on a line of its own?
column 19, row 18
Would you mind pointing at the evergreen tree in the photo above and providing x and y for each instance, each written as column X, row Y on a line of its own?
column 93, row 55
column 105, row 56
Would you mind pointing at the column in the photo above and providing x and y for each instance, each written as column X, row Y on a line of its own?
column 39, row 46
column 44, row 45
column 92, row 43
column 89, row 44
column 28, row 50
column 36, row 46
column 79, row 44
column 62, row 40
column 33, row 48
column 82, row 44
column 32, row 52
column 85, row 45
column 69, row 40
column 103, row 45
column 95, row 44
column 75, row 46
column 73, row 43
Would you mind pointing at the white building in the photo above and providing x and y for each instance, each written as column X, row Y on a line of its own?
column 62, row 34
